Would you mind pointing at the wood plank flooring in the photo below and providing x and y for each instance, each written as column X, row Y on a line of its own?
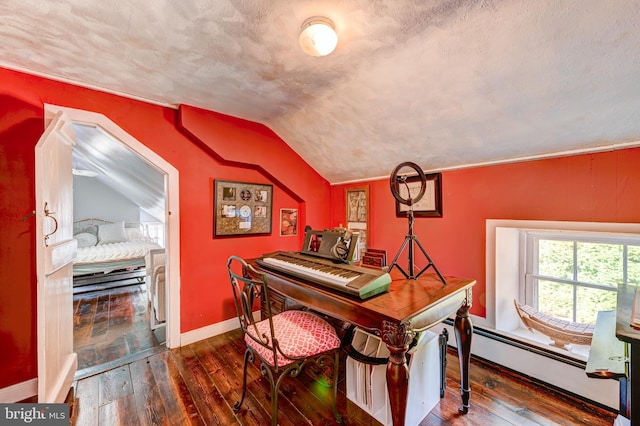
column 111, row 324
column 199, row 383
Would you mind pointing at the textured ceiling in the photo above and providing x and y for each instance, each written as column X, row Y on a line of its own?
column 441, row 83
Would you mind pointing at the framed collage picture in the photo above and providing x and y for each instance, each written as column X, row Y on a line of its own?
column 357, row 209
column 242, row 208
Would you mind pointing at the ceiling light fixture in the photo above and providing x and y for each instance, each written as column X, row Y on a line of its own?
column 318, row 36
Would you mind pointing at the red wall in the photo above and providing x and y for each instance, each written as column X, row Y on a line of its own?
column 21, row 124
column 203, row 146
column 602, row 187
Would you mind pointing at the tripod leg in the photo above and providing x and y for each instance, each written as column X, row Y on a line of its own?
column 395, row 263
column 430, row 263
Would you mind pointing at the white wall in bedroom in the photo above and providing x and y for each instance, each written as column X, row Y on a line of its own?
column 146, row 217
column 91, row 198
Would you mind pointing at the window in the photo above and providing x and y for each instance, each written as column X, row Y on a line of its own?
column 509, row 250
column 572, row 276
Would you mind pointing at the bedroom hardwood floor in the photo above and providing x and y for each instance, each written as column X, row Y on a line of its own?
column 199, row 383
column 110, row 325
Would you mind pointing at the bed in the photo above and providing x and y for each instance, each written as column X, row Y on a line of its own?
column 110, row 250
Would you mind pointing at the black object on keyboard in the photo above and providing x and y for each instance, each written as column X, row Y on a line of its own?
column 349, row 279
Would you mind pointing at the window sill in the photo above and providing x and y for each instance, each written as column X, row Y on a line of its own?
column 579, row 352
column 523, row 338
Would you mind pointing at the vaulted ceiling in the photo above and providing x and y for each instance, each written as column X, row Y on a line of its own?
column 115, row 165
column 443, row 83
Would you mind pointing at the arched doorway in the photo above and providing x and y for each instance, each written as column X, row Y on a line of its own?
column 172, row 217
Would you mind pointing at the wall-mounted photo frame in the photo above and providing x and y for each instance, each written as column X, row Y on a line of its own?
column 288, row 222
column 357, row 212
column 430, row 205
column 241, row 208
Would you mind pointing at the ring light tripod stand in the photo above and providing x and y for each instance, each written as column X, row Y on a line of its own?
column 410, row 239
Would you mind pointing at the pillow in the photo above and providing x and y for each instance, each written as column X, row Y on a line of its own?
column 134, row 234
column 112, row 233
column 92, row 229
column 86, row 239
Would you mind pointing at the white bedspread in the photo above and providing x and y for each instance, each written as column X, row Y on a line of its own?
column 113, row 252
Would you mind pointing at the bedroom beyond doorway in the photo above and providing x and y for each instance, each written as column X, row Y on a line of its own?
column 119, row 208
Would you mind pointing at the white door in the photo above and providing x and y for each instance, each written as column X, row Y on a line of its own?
column 55, row 251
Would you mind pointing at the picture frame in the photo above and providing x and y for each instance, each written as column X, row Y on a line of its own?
column 288, row 222
column 357, row 213
column 241, row 208
column 430, row 205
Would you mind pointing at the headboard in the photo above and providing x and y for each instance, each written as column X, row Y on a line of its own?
column 83, row 224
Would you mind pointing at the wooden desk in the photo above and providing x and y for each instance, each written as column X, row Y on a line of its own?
column 628, row 334
column 410, row 306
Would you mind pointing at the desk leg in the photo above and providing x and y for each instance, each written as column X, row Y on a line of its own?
column 463, row 330
column 397, row 337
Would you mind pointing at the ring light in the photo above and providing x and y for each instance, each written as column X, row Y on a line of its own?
column 395, row 180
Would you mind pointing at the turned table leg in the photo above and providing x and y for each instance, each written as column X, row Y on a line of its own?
column 397, row 337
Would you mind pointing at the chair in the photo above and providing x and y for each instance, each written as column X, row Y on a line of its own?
column 283, row 343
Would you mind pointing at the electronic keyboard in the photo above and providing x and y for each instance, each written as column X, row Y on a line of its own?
column 350, row 279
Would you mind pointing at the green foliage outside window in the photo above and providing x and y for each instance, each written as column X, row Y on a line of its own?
column 555, row 259
column 577, row 279
column 555, row 299
column 633, row 265
column 600, row 263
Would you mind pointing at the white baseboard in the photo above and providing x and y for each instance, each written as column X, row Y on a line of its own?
column 212, row 330
column 208, row 331
column 19, row 391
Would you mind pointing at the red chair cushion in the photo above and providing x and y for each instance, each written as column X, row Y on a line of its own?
column 299, row 334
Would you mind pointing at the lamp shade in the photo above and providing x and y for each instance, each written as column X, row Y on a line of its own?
column 318, row 36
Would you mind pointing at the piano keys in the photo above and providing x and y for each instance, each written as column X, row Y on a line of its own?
column 353, row 280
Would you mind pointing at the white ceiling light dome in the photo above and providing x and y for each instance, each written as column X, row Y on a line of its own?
column 318, row 36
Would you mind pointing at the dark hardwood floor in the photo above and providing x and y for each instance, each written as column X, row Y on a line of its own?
column 199, row 383
column 110, row 325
